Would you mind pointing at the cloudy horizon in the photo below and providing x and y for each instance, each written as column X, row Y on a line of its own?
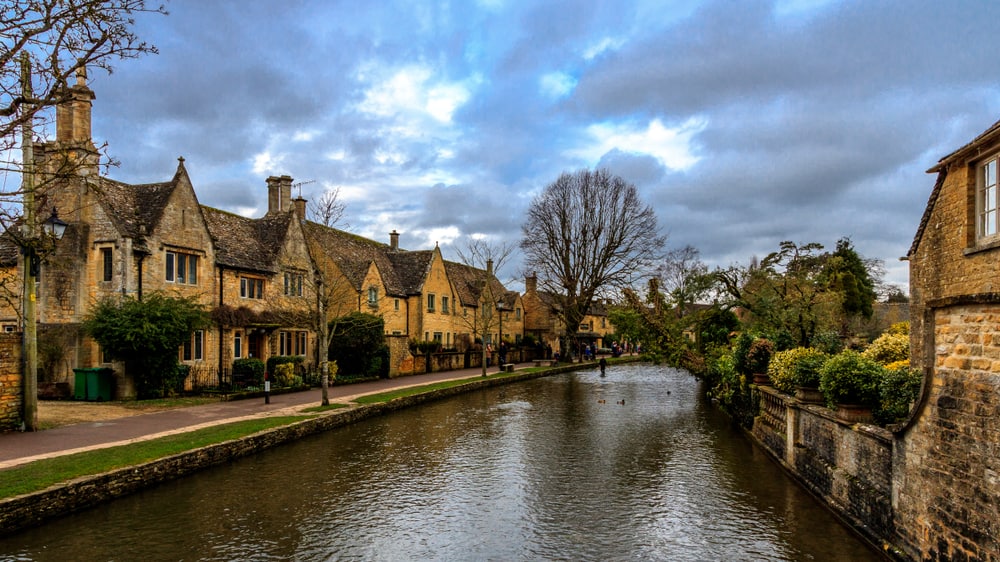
column 743, row 124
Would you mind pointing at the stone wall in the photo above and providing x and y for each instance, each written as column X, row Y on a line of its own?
column 849, row 466
column 947, row 469
column 10, row 381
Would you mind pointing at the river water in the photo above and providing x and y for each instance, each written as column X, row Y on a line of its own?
column 632, row 466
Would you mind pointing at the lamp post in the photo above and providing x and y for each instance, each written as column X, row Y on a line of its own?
column 501, row 353
column 53, row 229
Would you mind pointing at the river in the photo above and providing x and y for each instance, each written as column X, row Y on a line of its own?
column 632, row 466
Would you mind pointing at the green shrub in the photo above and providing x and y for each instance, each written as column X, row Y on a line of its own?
column 284, row 374
column 759, row 355
column 295, row 361
column 897, row 393
column 850, row 378
column 740, row 350
column 248, row 371
column 797, row 367
column 888, row 348
column 732, row 392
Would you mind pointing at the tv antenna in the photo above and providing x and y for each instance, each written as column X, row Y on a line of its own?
column 300, row 184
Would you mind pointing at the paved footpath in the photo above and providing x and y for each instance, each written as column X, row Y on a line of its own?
column 22, row 447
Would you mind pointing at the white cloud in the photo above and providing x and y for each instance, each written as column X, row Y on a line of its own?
column 265, row 163
column 412, row 93
column 604, row 44
column 671, row 146
column 556, row 84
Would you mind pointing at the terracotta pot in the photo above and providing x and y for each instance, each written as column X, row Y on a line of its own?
column 761, row 379
column 854, row 413
column 809, row 395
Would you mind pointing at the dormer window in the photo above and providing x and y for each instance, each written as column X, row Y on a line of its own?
column 372, row 296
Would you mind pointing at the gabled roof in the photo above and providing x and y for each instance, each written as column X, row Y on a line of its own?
column 131, row 207
column 353, row 254
column 411, row 269
column 467, row 281
column 249, row 244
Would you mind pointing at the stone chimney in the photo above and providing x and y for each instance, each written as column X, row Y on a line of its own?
column 394, row 240
column 300, row 208
column 73, row 115
column 279, row 194
column 531, row 283
column 489, row 267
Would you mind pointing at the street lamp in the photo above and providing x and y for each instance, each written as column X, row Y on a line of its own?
column 52, row 229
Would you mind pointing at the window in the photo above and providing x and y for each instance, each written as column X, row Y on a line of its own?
column 293, row 284
column 107, row 264
column 604, row 322
column 292, row 343
column 517, row 313
column 986, row 199
column 301, row 338
column 438, row 337
column 430, row 303
column 8, row 328
column 251, row 288
column 194, row 347
column 237, row 345
column 372, row 296
column 444, row 305
column 395, row 303
column 181, row 268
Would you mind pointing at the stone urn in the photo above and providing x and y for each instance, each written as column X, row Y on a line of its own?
column 854, row 413
column 809, row 395
column 761, row 379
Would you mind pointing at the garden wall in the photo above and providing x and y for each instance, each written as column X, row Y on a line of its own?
column 10, row 381
column 847, row 465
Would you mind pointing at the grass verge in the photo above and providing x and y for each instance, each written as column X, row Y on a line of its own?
column 41, row 474
column 387, row 396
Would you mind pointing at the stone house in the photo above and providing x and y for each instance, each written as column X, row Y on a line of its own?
column 949, row 451
column 262, row 279
column 542, row 321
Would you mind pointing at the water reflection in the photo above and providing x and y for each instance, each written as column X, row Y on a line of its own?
column 634, row 466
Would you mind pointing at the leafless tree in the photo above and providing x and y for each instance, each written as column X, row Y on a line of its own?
column 586, row 233
column 328, row 209
column 684, row 278
column 57, row 38
column 481, row 260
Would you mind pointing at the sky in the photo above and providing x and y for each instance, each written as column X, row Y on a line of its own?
column 743, row 124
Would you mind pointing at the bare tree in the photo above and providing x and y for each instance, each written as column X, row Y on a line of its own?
column 588, row 232
column 480, row 262
column 58, row 38
column 328, row 209
column 684, row 278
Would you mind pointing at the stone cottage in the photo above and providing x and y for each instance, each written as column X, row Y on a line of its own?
column 947, row 459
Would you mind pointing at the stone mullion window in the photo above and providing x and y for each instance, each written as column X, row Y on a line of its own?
column 987, row 199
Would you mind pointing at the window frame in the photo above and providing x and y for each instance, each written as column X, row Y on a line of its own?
column 107, row 264
column 180, row 267
column 430, row 302
column 988, row 204
column 248, row 285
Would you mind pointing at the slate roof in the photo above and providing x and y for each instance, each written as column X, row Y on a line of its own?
column 132, row 206
column 353, row 254
column 247, row 244
column 466, row 280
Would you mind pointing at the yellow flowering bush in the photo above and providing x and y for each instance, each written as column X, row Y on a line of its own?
column 888, row 348
column 796, row 367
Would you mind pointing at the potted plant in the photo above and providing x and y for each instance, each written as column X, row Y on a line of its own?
column 850, row 384
column 758, row 357
column 806, row 371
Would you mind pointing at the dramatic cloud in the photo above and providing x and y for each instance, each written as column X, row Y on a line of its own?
column 743, row 124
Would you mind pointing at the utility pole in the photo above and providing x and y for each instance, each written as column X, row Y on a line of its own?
column 29, row 332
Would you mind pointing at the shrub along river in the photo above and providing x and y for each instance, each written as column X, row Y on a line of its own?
column 632, row 466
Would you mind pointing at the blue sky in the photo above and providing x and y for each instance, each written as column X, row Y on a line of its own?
column 742, row 123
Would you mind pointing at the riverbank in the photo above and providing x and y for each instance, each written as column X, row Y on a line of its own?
column 34, row 508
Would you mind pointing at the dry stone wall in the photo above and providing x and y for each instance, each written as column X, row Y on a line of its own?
column 10, row 381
